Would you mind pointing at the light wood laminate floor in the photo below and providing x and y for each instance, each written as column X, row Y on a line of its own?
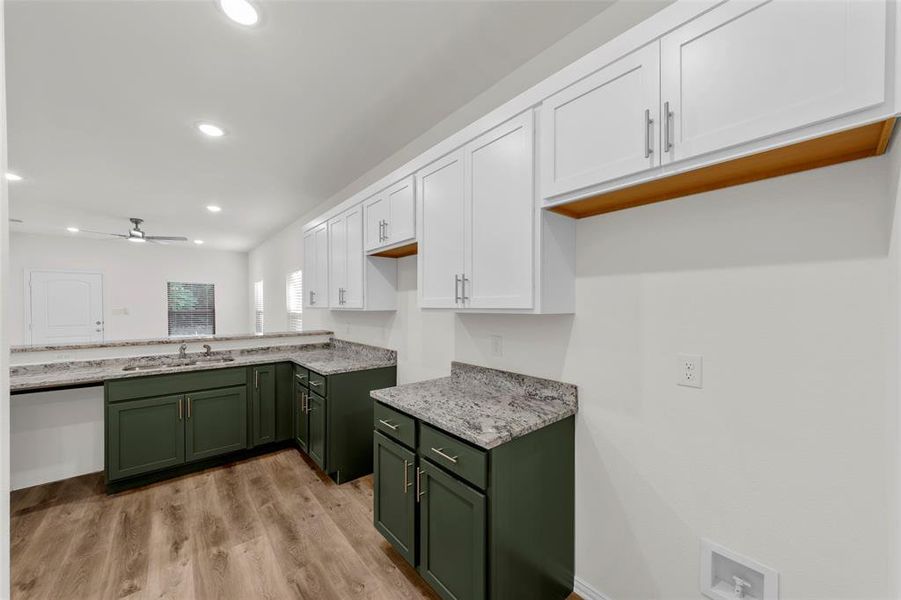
column 269, row 527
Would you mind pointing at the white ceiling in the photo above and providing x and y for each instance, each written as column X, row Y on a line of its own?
column 103, row 96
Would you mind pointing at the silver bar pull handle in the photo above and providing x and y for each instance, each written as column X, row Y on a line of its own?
column 419, row 492
column 667, row 118
column 456, row 289
column 179, row 409
column 189, row 407
column 256, row 379
column 648, row 122
column 463, row 296
column 388, row 424
column 406, row 464
column 440, row 452
column 386, row 231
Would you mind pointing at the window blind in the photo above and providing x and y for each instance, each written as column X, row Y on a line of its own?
column 192, row 308
column 294, row 293
column 258, row 306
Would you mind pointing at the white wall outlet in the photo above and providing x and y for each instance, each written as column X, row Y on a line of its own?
column 726, row 575
column 690, row 370
column 497, row 345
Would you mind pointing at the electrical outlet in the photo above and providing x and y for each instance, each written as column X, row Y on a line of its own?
column 691, row 370
column 497, row 345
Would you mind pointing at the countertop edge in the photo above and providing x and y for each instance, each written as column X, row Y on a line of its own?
column 176, row 340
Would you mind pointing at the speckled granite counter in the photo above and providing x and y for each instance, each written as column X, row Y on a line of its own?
column 484, row 406
column 337, row 356
column 169, row 340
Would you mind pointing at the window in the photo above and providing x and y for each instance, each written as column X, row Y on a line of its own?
column 258, row 306
column 192, row 308
column 294, row 293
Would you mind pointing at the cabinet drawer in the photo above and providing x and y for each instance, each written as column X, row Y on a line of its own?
column 301, row 376
column 394, row 424
column 458, row 457
column 318, row 384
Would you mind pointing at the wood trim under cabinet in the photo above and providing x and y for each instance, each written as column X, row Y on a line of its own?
column 399, row 252
column 852, row 144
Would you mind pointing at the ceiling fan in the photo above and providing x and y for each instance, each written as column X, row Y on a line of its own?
column 136, row 234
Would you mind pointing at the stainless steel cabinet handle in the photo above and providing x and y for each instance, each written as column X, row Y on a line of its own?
column 301, row 377
column 439, row 452
column 179, row 409
column 456, row 289
column 463, row 297
column 256, row 379
column 419, row 492
column 304, row 402
column 386, row 231
column 667, row 117
column 406, row 464
column 388, row 425
column 648, row 122
column 189, row 407
column 316, row 383
column 312, row 297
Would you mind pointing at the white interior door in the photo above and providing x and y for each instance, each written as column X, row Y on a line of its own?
column 603, row 127
column 749, row 70
column 440, row 214
column 64, row 307
column 500, row 213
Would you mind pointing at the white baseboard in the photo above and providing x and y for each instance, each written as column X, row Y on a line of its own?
column 587, row 592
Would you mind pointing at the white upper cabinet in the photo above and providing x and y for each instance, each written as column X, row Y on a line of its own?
column 753, row 69
column 356, row 281
column 604, row 126
column 484, row 244
column 441, row 218
column 390, row 216
column 500, row 210
column 315, row 267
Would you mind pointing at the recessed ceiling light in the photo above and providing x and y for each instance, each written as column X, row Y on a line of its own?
column 72, row 229
column 210, row 130
column 240, row 11
column 198, row 242
column 213, row 208
column 13, row 177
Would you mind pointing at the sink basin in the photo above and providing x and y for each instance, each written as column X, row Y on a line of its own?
column 216, row 359
column 155, row 366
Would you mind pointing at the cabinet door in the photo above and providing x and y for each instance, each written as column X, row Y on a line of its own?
column 301, row 418
column 402, row 212
column 601, row 127
column 263, row 405
column 376, row 213
column 500, row 210
column 145, row 435
column 316, row 447
column 321, row 240
column 440, row 214
column 309, row 269
column 353, row 253
column 452, row 535
column 394, row 499
column 337, row 260
column 748, row 70
column 215, row 422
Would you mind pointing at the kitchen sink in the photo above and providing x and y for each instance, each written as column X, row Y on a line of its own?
column 156, row 366
column 216, row 359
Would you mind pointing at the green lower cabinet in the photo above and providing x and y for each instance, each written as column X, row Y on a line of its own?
column 144, row 435
column 263, row 410
column 316, row 409
column 452, row 535
column 215, row 422
column 394, row 496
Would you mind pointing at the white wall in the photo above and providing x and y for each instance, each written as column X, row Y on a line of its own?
column 4, row 331
column 134, row 277
column 789, row 454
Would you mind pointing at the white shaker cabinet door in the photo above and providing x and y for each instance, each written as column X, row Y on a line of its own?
column 750, row 69
column 353, row 252
column 500, row 216
column 603, row 127
column 309, row 269
column 440, row 255
column 337, row 261
column 402, row 208
column 376, row 215
column 315, row 261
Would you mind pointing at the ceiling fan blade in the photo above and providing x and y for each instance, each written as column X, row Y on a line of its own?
column 104, row 233
column 166, row 238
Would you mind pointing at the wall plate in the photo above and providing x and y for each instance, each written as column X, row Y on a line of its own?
column 721, row 568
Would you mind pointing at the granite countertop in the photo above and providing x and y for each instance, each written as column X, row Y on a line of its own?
column 332, row 358
column 170, row 340
column 484, row 406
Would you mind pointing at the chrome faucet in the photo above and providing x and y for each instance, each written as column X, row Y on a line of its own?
column 207, row 350
column 183, row 351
